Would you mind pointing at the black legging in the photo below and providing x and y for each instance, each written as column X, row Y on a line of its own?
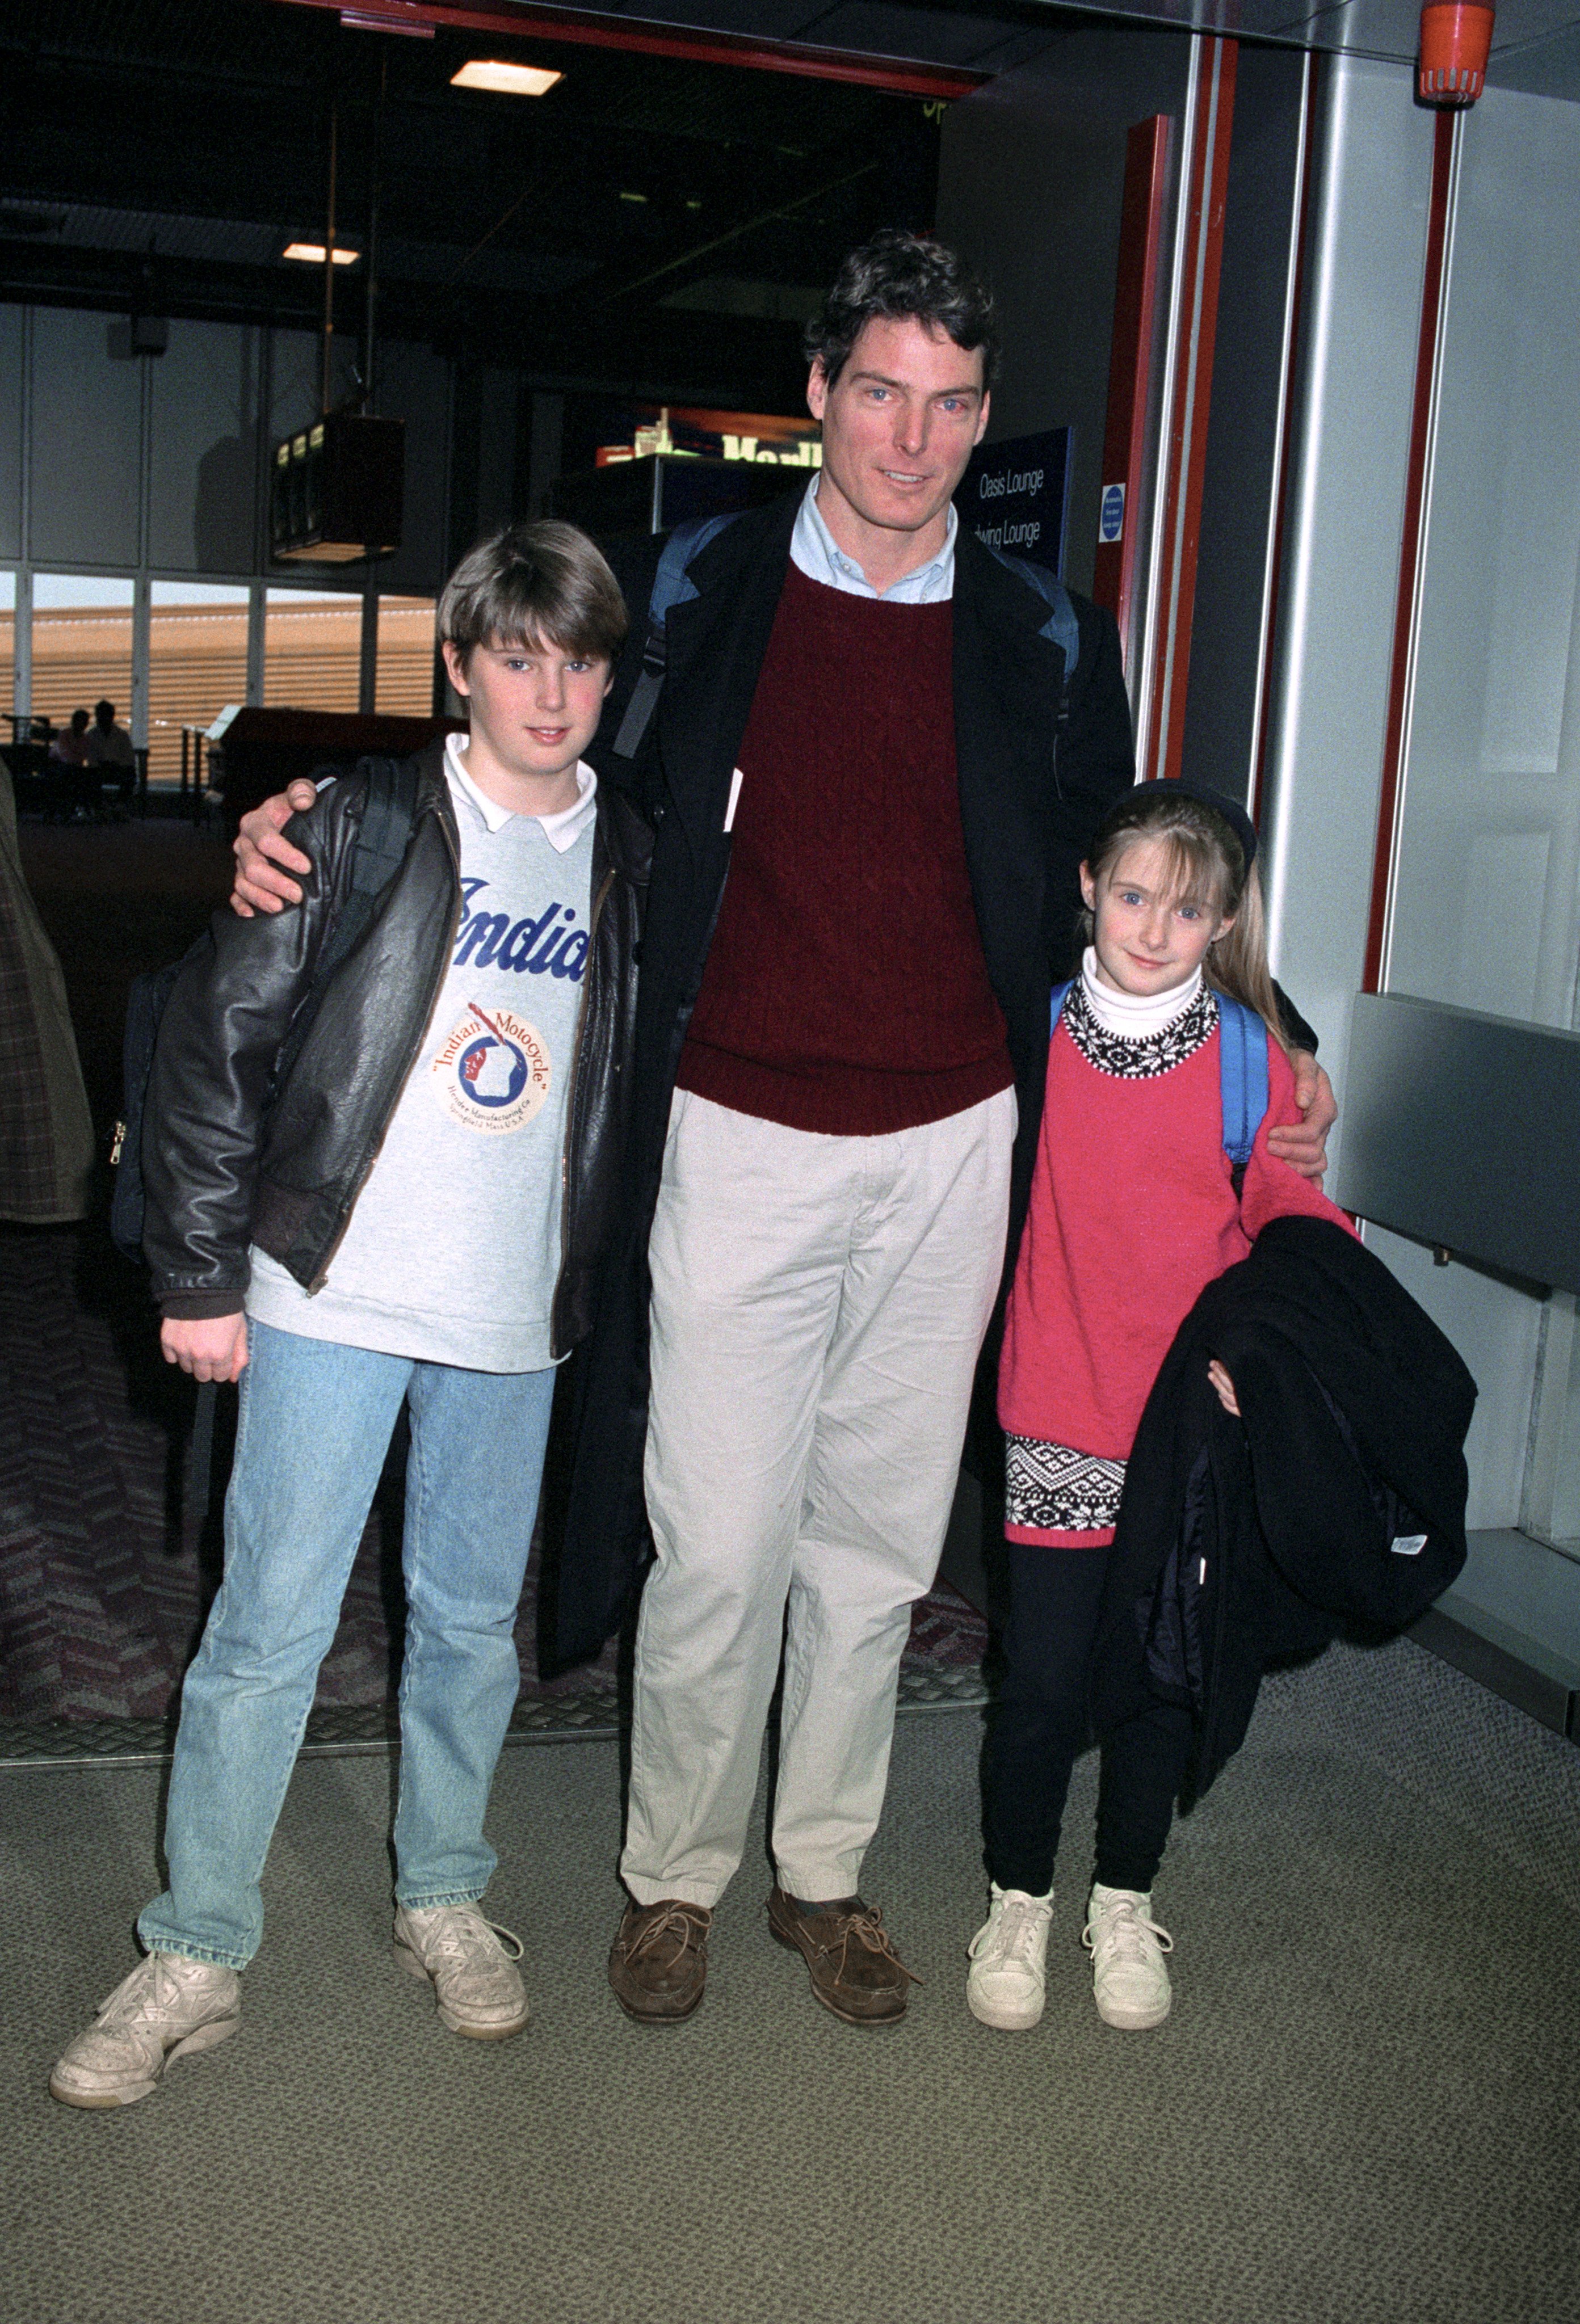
column 1040, row 1725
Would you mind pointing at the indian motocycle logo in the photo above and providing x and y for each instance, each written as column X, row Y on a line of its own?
column 492, row 1071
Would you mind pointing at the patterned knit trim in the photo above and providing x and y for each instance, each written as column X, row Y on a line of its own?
column 1154, row 1053
column 1053, row 1489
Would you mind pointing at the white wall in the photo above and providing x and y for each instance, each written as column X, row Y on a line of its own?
column 1489, row 832
column 1341, row 552
column 1490, row 814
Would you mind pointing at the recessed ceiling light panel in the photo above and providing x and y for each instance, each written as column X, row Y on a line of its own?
column 508, row 80
column 312, row 253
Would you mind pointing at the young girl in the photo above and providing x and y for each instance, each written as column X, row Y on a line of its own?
column 1133, row 1212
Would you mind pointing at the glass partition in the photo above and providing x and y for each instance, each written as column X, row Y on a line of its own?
column 312, row 649
column 197, row 663
column 7, row 652
column 81, row 646
column 406, row 652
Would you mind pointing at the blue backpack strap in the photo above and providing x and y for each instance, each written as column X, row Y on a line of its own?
column 1062, row 625
column 1060, row 994
column 1242, row 1079
column 672, row 585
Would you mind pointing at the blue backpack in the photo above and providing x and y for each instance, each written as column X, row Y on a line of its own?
column 1241, row 1073
column 673, row 586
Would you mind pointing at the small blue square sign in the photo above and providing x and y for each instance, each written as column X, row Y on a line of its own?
column 1111, row 518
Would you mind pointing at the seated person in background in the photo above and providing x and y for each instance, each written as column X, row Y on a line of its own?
column 76, row 789
column 109, row 749
column 474, row 1040
column 68, row 748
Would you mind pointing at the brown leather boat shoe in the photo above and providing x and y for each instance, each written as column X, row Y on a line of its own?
column 658, row 1965
column 855, row 1970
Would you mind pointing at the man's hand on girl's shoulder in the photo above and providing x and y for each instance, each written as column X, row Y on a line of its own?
column 263, row 860
column 1303, row 1144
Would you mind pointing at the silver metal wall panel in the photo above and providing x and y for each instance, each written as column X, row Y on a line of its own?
column 1341, row 556
column 85, row 467
column 1464, row 1130
column 1488, row 844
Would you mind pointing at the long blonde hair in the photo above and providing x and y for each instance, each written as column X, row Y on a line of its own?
column 1206, row 865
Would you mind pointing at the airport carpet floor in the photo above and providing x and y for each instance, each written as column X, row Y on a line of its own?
column 1362, row 2110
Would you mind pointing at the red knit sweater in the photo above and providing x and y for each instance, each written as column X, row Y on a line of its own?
column 1132, row 1215
column 845, row 988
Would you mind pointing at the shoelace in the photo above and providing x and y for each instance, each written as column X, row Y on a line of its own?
column 691, row 1928
column 1123, row 1935
column 867, row 1929
column 144, row 1996
column 1012, row 1933
column 459, row 1938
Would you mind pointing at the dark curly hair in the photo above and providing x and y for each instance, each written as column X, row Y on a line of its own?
column 898, row 274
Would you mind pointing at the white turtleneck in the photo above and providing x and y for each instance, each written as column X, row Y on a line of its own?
column 1134, row 1016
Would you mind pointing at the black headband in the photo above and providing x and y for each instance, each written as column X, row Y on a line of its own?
column 1232, row 812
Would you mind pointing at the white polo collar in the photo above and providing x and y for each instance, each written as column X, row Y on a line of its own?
column 561, row 829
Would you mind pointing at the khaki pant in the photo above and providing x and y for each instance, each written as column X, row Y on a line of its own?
column 819, row 1304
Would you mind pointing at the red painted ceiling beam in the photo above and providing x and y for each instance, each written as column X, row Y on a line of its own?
column 939, row 83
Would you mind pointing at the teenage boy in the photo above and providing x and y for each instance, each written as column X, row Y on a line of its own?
column 414, row 1218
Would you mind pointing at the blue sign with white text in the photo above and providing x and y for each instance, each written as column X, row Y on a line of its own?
column 1014, row 496
column 1111, row 518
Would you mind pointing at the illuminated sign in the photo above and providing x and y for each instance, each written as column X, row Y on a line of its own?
column 763, row 439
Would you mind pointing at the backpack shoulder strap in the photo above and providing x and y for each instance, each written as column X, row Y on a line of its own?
column 1061, row 625
column 1060, row 994
column 388, row 814
column 672, row 585
column 1242, row 1079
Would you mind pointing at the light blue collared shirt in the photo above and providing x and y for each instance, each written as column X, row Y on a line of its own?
column 815, row 552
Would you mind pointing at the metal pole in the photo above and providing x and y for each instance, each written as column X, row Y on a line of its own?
column 370, row 343
column 329, row 253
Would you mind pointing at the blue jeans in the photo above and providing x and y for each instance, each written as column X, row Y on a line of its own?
column 314, row 1426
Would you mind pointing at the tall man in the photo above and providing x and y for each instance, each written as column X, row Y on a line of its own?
column 864, row 884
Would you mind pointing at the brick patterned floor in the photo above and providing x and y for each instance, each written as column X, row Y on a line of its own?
column 106, row 1576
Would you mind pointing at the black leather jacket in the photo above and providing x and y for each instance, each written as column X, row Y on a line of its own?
column 223, row 1166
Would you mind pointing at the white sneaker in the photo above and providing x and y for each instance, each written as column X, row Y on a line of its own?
column 479, row 1987
column 167, row 2006
column 1129, row 1979
column 1008, row 1954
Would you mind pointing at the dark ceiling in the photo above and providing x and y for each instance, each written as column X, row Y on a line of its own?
column 652, row 225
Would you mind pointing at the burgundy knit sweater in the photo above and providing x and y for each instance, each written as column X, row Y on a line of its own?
column 845, row 988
